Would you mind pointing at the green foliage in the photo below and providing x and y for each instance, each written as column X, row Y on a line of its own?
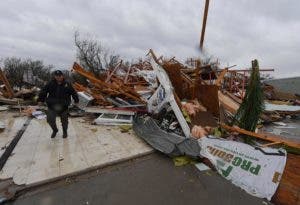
column 183, row 160
column 252, row 106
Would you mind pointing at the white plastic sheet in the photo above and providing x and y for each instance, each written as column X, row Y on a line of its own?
column 245, row 166
column 274, row 107
column 149, row 76
column 39, row 115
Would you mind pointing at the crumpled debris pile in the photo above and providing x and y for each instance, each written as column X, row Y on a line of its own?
column 179, row 109
column 196, row 104
column 12, row 96
column 122, row 86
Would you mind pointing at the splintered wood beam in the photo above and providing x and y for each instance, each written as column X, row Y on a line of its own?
column 8, row 89
column 263, row 136
column 80, row 88
column 127, row 74
column 187, row 79
column 271, row 144
column 113, row 87
column 154, row 56
column 89, row 75
column 221, row 77
column 204, row 24
column 112, row 73
column 127, row 91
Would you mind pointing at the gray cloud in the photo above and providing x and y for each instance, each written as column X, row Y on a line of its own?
column 237, row 30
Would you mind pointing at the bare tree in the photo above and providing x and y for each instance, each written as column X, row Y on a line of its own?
column 93, row 56
column 14, row 70
column 26, row 72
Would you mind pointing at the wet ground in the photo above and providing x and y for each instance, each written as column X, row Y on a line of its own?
column 291, row 129
column 152, row 179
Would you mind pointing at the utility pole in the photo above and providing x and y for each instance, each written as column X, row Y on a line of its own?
column 204, row 24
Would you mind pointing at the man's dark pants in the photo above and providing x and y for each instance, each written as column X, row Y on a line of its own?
column 51, row 119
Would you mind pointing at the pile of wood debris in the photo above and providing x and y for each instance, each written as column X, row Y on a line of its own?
column 207, row 95
column 9, row 96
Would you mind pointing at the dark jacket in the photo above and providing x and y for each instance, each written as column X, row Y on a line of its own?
column 58, row 94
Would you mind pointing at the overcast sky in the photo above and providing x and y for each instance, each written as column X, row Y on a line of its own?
column 237, row 30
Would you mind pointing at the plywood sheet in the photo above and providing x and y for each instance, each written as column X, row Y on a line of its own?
column 38, row 158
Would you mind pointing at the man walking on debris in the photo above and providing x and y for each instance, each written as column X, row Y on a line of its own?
column 57, row 95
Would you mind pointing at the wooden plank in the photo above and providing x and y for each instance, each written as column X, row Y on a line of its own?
column 154, row 56
column 271, row 144
column 263, row 136
column 228, row 103
column 112, row 73
column 208, row 96
column 288, row 191
column 232, row 96
column 13, row 101
column 221, row 77
column 8, row 88
column 114, row 87
column 204, row 24
column 4, row 157
column 37, row 159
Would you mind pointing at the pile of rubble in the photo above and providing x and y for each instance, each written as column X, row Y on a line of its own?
column 9, row 96
column 177, row 107
column 115, row 89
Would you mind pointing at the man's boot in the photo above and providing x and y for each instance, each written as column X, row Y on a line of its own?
column 51, row 119
column 65, row 134
column 54, row 132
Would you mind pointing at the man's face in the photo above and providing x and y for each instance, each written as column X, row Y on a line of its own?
column 59, row 78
